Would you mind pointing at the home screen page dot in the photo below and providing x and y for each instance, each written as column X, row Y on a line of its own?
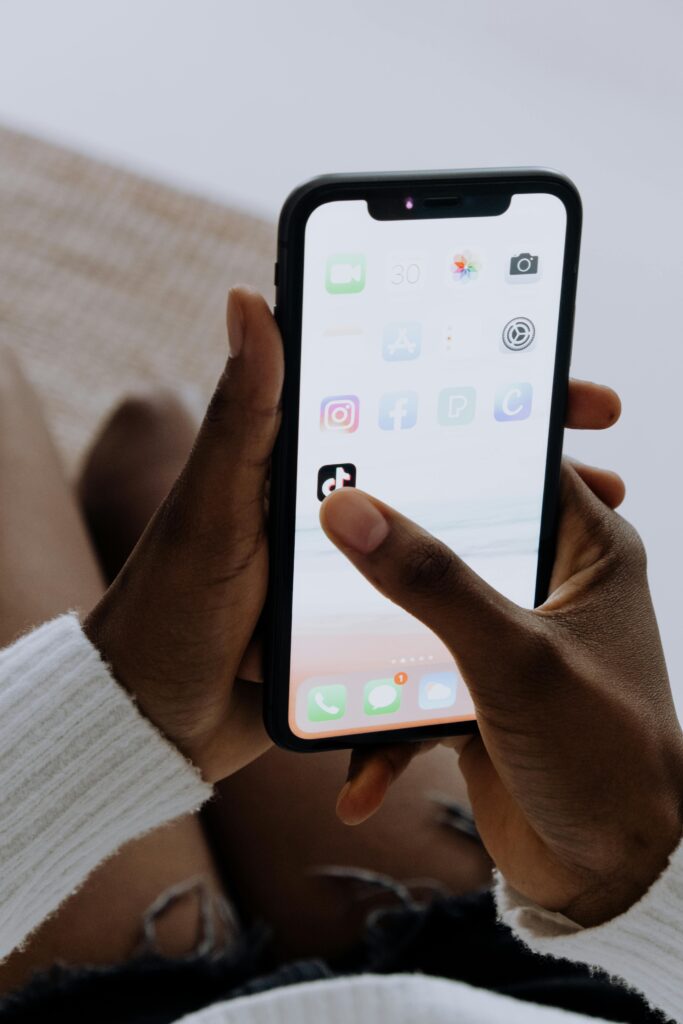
column 428, row 351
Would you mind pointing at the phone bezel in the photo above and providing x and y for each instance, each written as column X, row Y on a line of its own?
column 288, row 310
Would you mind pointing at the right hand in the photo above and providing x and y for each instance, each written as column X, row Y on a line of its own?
column 576, row 776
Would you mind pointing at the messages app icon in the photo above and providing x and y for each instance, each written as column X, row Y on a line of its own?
column 345, row 273
column 382, row 697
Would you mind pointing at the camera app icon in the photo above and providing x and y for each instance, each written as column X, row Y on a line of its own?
column 339, row 413
column 523, row 267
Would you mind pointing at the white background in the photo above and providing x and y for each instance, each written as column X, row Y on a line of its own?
column 244, row 100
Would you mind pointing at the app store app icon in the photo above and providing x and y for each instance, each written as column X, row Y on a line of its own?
column 401, row 341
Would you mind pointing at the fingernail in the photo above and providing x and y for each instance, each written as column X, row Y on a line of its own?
column 235, row 324
column 355, row 521
column 348, row 815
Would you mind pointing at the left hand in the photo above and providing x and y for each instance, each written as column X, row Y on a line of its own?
column 176, row 622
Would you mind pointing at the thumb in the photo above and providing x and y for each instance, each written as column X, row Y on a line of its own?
column 423, row 576
column 220, row 495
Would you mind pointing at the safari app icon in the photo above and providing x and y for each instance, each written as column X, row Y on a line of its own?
column 345, row 273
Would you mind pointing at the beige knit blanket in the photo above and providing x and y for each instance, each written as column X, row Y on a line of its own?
column 110, row 282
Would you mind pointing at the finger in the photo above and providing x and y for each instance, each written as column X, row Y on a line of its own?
column 371, row 773
column 221, row 493
column 422, row 575
column 585, row 535
column 604, row 483
column 591, row 406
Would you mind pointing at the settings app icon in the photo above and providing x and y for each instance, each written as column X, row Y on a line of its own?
column 519, row 334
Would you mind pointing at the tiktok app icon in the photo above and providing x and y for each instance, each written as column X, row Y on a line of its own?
column 333, row 478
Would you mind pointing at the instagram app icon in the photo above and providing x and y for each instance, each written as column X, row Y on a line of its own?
column 339, row 412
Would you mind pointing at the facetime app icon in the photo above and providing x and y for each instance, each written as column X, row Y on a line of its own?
column 345, row 273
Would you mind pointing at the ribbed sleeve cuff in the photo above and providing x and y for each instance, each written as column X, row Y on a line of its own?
column 642, row 947
column 81, row 773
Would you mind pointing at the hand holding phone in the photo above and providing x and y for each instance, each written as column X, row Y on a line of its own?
column 576, row 778
column 427, row 327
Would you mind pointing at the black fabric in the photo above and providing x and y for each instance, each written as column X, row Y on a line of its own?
column 457, row 938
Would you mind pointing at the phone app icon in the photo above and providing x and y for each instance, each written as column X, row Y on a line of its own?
column 345, row 273
column 464, row 267
column 456, row 406
column 333, row 478
column 382, row 697
column 340, row 413
column 437, row 690
column 401, row 341
column 513, row 402
column 326, row 703
column 398, row 410
column 519, row 334
column 523, row 267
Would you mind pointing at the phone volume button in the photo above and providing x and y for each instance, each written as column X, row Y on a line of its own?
column 275, row 273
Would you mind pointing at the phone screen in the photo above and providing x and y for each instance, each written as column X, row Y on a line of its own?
column 427, row 366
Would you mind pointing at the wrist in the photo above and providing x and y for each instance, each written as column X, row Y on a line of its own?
column 645, row 853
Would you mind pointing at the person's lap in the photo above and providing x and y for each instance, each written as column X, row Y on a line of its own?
column 274, row 822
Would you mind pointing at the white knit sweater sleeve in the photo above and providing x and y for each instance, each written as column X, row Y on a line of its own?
column 81, row 773
column 642, row 947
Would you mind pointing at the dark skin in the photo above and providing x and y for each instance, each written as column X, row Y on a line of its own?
column 566, row 695
column 562, row 825
column 133, row 464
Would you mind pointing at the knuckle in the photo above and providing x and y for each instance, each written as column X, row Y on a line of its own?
column 429, row 570
column 631, row 546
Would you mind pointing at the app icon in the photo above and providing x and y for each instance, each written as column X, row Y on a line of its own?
column 404, row 272
column 333, row 478
column 382, row 697
column 340, row 413
column 437, row 690
column 513, row 402
column 456, row 406
column 345, row 273
column 401, row 341
column 326, row 703
column 464, row 267
column 518, row 334
column 523, row 267
column 398, row 410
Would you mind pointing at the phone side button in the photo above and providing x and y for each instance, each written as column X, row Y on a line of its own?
column 275, row 274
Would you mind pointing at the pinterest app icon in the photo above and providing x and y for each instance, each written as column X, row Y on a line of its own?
column 340, row 413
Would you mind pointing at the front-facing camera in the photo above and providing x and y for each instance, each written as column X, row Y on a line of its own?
column 409, row 204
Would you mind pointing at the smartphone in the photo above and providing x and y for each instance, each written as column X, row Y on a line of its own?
column 427, row 322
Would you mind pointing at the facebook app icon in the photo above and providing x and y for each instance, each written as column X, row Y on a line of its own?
column 398, row 410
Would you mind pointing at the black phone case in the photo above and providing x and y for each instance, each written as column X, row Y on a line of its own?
column 288, row 311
